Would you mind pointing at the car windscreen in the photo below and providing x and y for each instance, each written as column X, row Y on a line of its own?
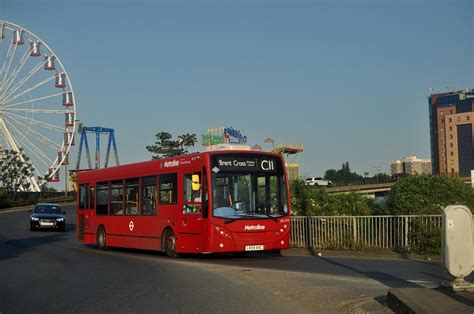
column 47, row 209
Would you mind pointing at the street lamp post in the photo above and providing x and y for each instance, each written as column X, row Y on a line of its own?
column 377, row 172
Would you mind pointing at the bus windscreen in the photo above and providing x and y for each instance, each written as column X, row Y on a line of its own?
column 248, row 187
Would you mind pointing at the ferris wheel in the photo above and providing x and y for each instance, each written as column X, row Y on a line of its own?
column 37, row 103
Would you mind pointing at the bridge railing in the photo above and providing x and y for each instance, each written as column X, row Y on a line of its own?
column 413, row 233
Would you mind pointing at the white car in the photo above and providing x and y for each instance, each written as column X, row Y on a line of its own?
column 317, row 182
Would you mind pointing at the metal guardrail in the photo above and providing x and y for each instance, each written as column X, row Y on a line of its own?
column 407, row 232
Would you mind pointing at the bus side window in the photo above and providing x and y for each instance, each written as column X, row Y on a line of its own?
column 148, row 196
column 205, row 191
column 192, row 193
column 116, row 197
column 131, row 197
column 168, row 188
column 82, row 196
column 102, row 207
column 92, row 198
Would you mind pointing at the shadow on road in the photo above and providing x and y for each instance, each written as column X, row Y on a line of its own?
column 12, row 248
column 354, row 267
column 70, row 227
column 463, row 297
column 382, row 277
column 309, row 264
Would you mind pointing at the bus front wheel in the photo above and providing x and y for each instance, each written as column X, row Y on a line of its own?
column 170, row 243
column 101, row 239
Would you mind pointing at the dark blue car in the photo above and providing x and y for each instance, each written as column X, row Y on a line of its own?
column 47, row 216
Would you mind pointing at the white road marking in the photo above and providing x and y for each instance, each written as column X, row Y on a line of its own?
column 423, row 282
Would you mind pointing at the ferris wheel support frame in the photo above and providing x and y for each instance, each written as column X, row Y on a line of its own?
column 34, row 187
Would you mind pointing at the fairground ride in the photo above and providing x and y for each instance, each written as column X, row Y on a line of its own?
column 37, row 103
column 97, row 131
column 291, row 152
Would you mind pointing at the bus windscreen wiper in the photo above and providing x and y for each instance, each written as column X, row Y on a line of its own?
column 270, row 216
column 229, row 220
column 241, row 217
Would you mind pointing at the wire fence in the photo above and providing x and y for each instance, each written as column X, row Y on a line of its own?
column 411, row 233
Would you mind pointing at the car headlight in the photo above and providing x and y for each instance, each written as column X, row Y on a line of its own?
column 59, row 219
column 34, row 219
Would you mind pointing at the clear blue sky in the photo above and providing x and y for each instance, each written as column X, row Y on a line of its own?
column 348, row 79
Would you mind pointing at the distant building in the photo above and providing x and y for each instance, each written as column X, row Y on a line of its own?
column 396, row 167
column 293, row 171
column 451, row 127
column 410, row 165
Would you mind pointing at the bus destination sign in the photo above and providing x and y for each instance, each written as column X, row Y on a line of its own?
column 245, row 164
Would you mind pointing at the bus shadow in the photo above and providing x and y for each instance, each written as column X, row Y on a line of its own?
column 13, row 248
column 151, row 253
column 234, row 256
column 196, row 257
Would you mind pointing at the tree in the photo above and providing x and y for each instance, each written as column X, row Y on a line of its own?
column 343, row 175
column 43, row 181
column 165, row 146
column 428, row 194
column 332, row 175
column 299, row 197
column 15, row 170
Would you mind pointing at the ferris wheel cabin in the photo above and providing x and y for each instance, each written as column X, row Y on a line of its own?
column 60, row 80
column 35, row 48
column 49, row 63
column 18, row 37
column 67, row 99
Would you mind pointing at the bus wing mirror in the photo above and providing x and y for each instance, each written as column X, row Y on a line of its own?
column 196, row 182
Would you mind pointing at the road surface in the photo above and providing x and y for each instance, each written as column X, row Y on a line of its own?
column 52, row 272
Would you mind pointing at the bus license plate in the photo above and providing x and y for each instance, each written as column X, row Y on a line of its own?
column 254, row 247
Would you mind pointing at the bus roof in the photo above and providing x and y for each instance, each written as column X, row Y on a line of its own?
column 141, row 168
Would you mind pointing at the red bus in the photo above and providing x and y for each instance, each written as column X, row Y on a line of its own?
column 210, row 202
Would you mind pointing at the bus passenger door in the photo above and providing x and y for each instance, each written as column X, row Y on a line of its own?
column 86, row 205
column 192, row 224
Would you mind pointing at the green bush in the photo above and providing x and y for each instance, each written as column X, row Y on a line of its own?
column 428, row 195
column 313, row 201
column 424, row 238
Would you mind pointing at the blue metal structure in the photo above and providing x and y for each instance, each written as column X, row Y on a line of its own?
column 83, row 130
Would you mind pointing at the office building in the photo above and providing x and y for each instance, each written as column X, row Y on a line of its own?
column 396, row 167
column 410, row 165
column 451, row 126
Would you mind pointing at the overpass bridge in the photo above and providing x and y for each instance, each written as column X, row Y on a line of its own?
column 376, row 189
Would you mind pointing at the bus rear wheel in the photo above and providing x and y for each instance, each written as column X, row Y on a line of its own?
column 101, row 239
column 170, row 243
